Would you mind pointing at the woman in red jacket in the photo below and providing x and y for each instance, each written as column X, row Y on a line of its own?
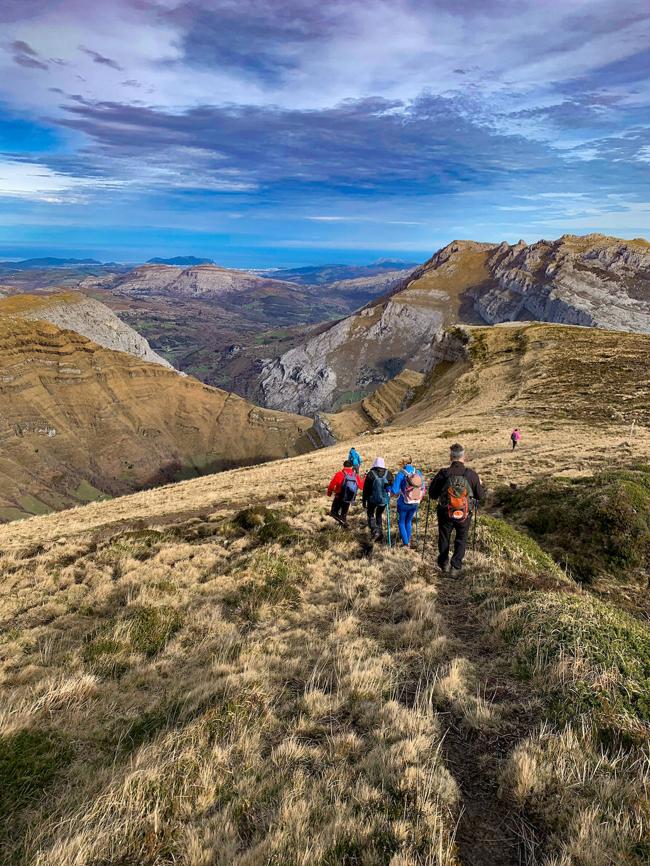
column 344, row 486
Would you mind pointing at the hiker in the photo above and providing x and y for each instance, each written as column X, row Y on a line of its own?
column 408, row 486
column 344, row 486
column 376, row 495
column 515, row 436
column 356, row 458
column 456, row 488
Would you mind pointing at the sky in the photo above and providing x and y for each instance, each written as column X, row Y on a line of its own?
column 284, row 133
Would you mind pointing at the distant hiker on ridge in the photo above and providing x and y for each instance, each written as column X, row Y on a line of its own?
column 344, row 486
column 409, row 489
column 376, row 495
column 515, row 436
column 454, row 487
column 356, row 458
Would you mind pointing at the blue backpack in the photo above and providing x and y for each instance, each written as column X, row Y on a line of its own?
column 349, row 488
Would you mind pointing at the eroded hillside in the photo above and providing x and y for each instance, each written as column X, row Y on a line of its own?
column 78, row 421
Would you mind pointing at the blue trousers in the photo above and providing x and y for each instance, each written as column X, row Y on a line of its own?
column 405, row 515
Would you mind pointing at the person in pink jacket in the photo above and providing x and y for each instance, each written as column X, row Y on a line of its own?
column 515, row 436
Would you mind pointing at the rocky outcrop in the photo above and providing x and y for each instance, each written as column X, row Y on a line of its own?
column 88, row 317
column 350, row 359
column 593, row 281
column 347, row 361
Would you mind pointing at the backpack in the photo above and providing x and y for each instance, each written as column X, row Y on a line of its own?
column 458, row 494
column 349, row 488
column 412, row 488
column 377, row 494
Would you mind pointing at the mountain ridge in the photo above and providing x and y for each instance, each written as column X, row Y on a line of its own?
column 593, row 280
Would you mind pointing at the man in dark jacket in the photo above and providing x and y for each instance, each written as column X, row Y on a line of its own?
column 376, row 494
column 456, row 488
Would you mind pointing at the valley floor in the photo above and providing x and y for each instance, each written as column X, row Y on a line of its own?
column 213, row 673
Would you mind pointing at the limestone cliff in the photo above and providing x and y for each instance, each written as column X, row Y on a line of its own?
column 88, row 317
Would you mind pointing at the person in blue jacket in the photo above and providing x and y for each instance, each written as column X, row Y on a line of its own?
column 408, row 486
column 355, row 457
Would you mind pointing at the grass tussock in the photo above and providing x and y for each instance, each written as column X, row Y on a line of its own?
column 594, row 526
column 516, row 551
column 592, row 658
column 593, row 802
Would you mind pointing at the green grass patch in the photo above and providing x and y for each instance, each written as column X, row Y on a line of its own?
column 502, row 541
column 140, row 544
column 272, row 579
column 10, row 513
column 594, row 526
column 33, row 505
column 30, row 760
column 262, row 523
column 150, row 628
column 85, row 492
column 590, row 656
column 106, row 657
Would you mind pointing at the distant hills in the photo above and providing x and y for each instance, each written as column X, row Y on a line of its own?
column 321, row 274
column 182, row 261
column 48, row 262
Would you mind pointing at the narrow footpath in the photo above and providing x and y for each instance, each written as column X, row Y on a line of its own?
column 490, row 830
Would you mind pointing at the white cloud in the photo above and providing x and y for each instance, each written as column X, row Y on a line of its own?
column 36, row 182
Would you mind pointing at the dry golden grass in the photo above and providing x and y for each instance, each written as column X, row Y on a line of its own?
column 184, row 688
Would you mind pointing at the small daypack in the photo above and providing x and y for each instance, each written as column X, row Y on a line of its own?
column 377, row 495
column 458, row 494
column 349, row 488
column 412, row 488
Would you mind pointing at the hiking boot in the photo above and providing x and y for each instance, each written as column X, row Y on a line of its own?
column 455, row 572
column 444, row 568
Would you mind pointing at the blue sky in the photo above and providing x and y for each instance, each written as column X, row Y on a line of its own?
column 284, row 133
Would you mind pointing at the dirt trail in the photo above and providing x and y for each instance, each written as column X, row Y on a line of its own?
column 490, row 831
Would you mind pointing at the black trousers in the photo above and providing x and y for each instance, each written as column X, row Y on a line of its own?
column 445, row 527
column 339, row 508
column 375, row 517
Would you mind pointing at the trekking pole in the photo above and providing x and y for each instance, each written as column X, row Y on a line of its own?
column 388, row 521
column 417, row 526
column 426, row 527
column 475, row 524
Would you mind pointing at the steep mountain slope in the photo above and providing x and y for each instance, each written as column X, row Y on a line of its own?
column 220, row 324
column 594, row 281
column 349, row 359
column 88, row 317
column 78, row 420
column 213, row 672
